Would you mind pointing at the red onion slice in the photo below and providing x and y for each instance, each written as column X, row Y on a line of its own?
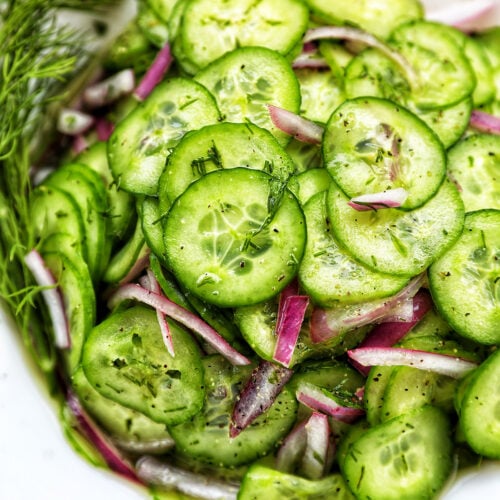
column 360, row 36
column 104, row 128
column 309, row 59
column 394, row 356
column 288, row 327
column 154, row 286
column 155, row 73
column 108, row 451
column 485, row 122
column 131, row 291
column 315, row 398
column 292, row 449
column 319, row 452
column 459, row 13
column 328, row 323
column 110, row 89
column 259, row 393
column 158, row 473
column 292, row 124
column 52, row 297
column 74, row 122
column 391, row 198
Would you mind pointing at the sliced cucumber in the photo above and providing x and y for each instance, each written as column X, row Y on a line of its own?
column 206, row 436
column 464, row 281
column 477, row 404
column 329, row 274
column 237, row 246
column 397, row 241
column 211, row 28
column 409, row 457
column 246, row 80
column 474, row 165
column 125, row 360
column 141, row 142
column 379, row 17
column 224, row 145
column 372, row 145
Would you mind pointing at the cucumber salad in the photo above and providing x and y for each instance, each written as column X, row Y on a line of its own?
column 265, row 250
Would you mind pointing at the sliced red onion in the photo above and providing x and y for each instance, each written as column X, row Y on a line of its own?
column 460, row 13
column 110, row 89
column 289, row 325
column 292, row 449
column 485, row 122
column 52, row 297
column 154, row 286
column 204, row 486
column 264, row 385
column 156, row 447
column 318, row 453
column 328, row 323
column 79, row 144
column 292, row 124
column 108, row 451
column 155, row 73
column 104, row 128
column 315, row 398
column 309, row 60
column 360, row 36
column 394, row 356
column 401, row 313
column 74, row 122
column 131, row 291
column 291, row 289
column 389, row 333
column 391, row 198
column 139, row 266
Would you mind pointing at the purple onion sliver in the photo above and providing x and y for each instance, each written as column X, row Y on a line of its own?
column 155, row 73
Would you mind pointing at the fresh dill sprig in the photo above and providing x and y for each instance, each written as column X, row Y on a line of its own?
column 38, row 57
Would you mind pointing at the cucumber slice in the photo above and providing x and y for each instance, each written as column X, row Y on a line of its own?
column 128, row 428
column 477, row 406
column 441, row 81
column 224, row 145
column 372, row 73
column 87, row 189
column 264, row 482
column 125, row 360
column 206, row 436
column 464, row 281
column 72, row 275
column 329, row 274
column 409, row 457
column 372, row 144
column 379, row 17
column 245, row 80
column 237, row 246
column 309, row 183
column 474, row 165
column 376, row 383
column 141, row 142
column 397, row 241
column 211, row 28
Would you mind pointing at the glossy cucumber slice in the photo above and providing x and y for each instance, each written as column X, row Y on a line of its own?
column 477, row 406
column 397, row 241
column 224, row 145
column 379, row 17
column 409, row 457
column 245, row 80
column 206, row 436
column 73, row 277
column 464, row 281
column 329, row 274
column 265, row 482
column 141, row 142
column 211, row 28
column 125, row 360
column 372, row 145
column 235, row 237
column 474, row 165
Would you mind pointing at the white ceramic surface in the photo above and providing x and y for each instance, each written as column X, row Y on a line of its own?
column 36, row 462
